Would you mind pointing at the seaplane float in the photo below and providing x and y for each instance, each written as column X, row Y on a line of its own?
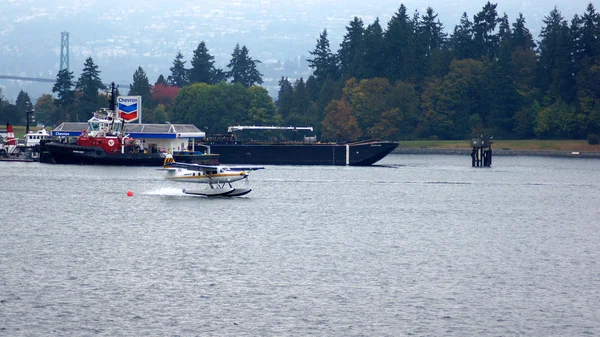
column 218, row 177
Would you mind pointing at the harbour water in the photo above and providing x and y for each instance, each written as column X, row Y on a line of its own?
column 419, row 245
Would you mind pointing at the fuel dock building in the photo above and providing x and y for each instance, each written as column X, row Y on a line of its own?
column 176, row 139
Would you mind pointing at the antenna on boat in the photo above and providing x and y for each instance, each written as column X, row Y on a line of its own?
column 113, row 99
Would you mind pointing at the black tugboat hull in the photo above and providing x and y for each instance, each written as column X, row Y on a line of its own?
column 356, row 154
column 60, row 153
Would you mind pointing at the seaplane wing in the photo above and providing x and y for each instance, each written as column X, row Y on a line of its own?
column 207, row 168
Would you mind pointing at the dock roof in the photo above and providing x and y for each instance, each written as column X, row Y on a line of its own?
column 135, row 130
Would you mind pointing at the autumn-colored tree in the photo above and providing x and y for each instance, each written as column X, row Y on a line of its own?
column 371, row 103
column 164, row 94
column 339, row 124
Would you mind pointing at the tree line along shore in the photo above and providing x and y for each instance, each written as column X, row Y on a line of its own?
column 406, row 79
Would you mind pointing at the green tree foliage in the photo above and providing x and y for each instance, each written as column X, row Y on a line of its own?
column 351, row 54
column 242, row 68
column 556, row 120
column 588, row 96
column 45, row 110
column 301, row 105
column 22, row 103
column 400, row 48
column 433, row 43
column 284, row 98
column 405, row 98
column 461, row 40
column 323, row 62
column 203, row 66
column 555, row 67
column 179, row 74
column 9, row 113
column 484, row 25
column 261, row 109
column 141, row 86
column 216, row 107
column 449, row 103
column 161, row 80
column 590, row 33
column 158, row 114
column 370, row 101
column 65, row 94
column 374, row 59
column 89, row 84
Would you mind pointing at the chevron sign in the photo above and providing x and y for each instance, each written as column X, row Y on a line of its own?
column 129, row 107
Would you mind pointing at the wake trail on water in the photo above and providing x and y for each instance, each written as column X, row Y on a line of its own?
column 167, row 191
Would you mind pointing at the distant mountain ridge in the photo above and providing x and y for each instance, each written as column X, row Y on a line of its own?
column 122, row 35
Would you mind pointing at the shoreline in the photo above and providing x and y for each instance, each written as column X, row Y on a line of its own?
column 499, row 152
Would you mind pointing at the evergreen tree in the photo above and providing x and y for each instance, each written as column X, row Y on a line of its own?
column 324, row 63
column 399, row 39
column 63, row 89
column 432, row 45
column 484, row 24
column 431, row 32
column 555, row 60
column 203, row 68
column 313, row 87
column 521, row 37
column 219, row 76
column 461, row 40
column 179, row 75
column 301, row 102
column 161, row 80
column 590, row 33
column 89, row 83
column 351, row 52
column 243, row 68
column 284, row 98
column 374, row 45
column 141, row 86
column 22, row 103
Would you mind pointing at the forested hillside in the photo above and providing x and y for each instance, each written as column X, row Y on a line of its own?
column 404, row 79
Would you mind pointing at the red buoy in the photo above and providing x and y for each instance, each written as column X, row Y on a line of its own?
column 129, row 194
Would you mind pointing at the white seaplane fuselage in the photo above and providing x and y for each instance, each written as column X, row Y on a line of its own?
column 218, row 177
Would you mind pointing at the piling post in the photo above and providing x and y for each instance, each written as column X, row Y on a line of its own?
column 481, row 154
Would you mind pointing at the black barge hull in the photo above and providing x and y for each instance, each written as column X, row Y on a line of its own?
column 354, row 154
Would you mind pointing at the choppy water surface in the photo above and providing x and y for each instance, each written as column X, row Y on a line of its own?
column 423, row 245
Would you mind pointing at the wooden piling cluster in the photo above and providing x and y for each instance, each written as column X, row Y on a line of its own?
column 481, row 155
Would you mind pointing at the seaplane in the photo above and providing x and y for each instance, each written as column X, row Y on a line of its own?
column 218, row 177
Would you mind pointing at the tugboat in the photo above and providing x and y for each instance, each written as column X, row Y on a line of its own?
column 27, row 151
column 104, row 143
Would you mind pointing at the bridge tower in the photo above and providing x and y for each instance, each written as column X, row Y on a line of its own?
column 64, row 51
